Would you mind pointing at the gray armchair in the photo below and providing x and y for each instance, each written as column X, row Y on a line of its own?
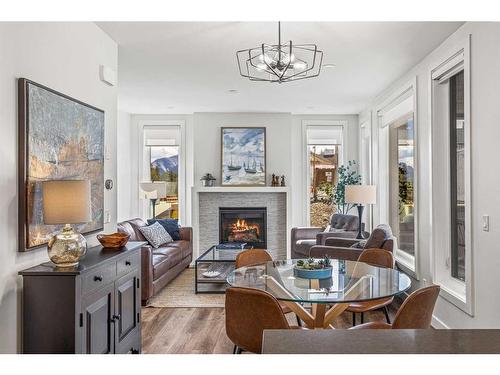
column 303, row 238
column 350, row 249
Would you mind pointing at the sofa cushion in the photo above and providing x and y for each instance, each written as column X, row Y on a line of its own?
column 174, row 254
column 345, row 222
column 170, row 225
column 131, row 227
column 184, row 246
column 156, row 234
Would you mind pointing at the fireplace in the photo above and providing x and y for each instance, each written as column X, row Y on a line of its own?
column 243, row 225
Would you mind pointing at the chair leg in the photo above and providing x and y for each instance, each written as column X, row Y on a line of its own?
column 353, row 319
column 234, row 349
column 299, row 322
column 386, row 312
column 362, row 318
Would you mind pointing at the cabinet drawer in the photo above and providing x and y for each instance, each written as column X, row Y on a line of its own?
column 128, row 263
column 98, row 278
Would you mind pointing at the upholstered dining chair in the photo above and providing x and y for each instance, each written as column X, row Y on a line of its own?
column 248, row 313
column 414, row 313
column 251, row 257
column 379, row 258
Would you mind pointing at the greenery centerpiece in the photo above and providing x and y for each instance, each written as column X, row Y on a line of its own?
column 313, row 268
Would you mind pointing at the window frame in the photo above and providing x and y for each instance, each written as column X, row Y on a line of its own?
column 305, row 157
column 460, row 294
column 405, row 97
column 365, row 135
column 144, row 164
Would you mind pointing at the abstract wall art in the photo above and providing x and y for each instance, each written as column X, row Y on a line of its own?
column 60, row 138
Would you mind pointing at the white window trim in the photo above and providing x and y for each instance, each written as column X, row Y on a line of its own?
column 456, row 292
column 305, row 156
column 144, row 207
column 365, row 124
column 411, row 264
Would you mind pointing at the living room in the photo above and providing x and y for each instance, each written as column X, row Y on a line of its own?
column 183, row 186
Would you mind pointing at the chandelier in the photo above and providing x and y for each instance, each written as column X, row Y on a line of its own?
column 280, row 62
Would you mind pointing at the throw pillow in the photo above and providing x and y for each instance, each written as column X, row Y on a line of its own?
column 170, row 225
column 156, row 235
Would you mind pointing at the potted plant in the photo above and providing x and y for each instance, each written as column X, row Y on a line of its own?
column 313, row 268
column 207, row 180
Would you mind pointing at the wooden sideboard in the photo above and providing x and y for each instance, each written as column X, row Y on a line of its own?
column 89, row 309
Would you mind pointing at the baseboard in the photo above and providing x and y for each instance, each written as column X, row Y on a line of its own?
column 438, row 323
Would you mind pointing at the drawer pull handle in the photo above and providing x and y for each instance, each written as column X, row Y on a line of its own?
column 97, row 278
column 115, row 318
column 127, row 263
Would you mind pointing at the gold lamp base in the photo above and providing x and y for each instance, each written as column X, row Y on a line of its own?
column 67, row 248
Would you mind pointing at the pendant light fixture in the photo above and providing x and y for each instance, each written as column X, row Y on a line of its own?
column 280, row 62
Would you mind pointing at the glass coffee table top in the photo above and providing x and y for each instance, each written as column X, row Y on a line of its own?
column 350, row 282
column 222, row 255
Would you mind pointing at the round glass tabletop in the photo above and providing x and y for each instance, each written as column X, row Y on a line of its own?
column 350, row 282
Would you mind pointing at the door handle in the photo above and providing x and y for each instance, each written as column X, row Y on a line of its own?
column 98, row 278
column 127, row 263
column 115, row 318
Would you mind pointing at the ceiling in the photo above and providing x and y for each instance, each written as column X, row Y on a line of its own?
column 185, row 67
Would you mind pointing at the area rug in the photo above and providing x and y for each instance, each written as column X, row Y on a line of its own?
column 180, row 293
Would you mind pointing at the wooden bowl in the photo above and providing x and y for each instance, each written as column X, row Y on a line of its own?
column 113, row 241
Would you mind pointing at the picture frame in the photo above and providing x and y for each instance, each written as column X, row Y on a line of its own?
column 59, row 138
column 243, row 156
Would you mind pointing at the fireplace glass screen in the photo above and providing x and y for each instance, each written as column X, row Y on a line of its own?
column 243, row 225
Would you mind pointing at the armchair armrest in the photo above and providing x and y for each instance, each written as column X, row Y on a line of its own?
column 146, row 272
column 340, row 242
column 345, row 253
column 186, row 233
column 305, row 233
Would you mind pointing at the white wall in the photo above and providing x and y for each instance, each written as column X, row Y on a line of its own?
column 65, row 57
column 284, row 150
column 123, row 167
column 485, row 132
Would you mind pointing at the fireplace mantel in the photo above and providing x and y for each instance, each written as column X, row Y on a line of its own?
column 242, row 189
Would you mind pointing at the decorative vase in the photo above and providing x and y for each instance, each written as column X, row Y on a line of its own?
column 322, row 273
column 66, row 249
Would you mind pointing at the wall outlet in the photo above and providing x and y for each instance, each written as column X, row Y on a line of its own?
column 486, row 223
column 107, row 217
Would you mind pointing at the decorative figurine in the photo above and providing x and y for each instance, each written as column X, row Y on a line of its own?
column 283, row 180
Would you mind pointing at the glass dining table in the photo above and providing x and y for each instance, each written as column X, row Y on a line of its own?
column 351, row 281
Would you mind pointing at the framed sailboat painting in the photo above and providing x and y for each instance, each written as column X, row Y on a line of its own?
column 243, row 156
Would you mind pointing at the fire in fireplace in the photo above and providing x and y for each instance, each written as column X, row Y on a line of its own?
column 243, row 225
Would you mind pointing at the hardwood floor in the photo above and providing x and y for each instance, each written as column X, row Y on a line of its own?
column 202, row 330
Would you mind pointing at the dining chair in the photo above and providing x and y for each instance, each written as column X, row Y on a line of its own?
column 252, row 257
column 379, row 258
column 414, row 313
column 248, row 313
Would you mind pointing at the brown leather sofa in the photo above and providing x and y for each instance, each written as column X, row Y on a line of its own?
column 161, row 265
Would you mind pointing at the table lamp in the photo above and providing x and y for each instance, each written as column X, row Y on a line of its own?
column 66, row 202
column 359, row 195
column 153, row 191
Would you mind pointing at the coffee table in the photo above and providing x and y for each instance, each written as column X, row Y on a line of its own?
column 220, row 258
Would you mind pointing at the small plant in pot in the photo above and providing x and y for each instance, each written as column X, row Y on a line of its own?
column 313, row 268
column 207, row 180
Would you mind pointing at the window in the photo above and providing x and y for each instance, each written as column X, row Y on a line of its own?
column 402, row 173
column 162, row 161
column 164, row 166
column 457, row 178
column 451, row 179
column 398, row 173
column 324, row 144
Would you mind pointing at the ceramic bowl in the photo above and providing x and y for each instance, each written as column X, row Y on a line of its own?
column 113, row 241
column 323, row 273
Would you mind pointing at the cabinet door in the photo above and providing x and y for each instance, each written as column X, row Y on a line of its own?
column 127, row 310
column 98, row 328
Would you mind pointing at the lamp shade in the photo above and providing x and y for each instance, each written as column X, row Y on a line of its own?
column 66, row 201
column 159, row 186
column 361, row 194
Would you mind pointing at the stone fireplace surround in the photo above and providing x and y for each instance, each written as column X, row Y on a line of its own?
column 207, row 202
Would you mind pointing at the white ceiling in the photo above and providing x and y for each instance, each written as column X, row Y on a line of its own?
column 185, row 67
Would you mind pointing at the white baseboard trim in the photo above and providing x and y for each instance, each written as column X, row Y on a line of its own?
column 438, row 323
